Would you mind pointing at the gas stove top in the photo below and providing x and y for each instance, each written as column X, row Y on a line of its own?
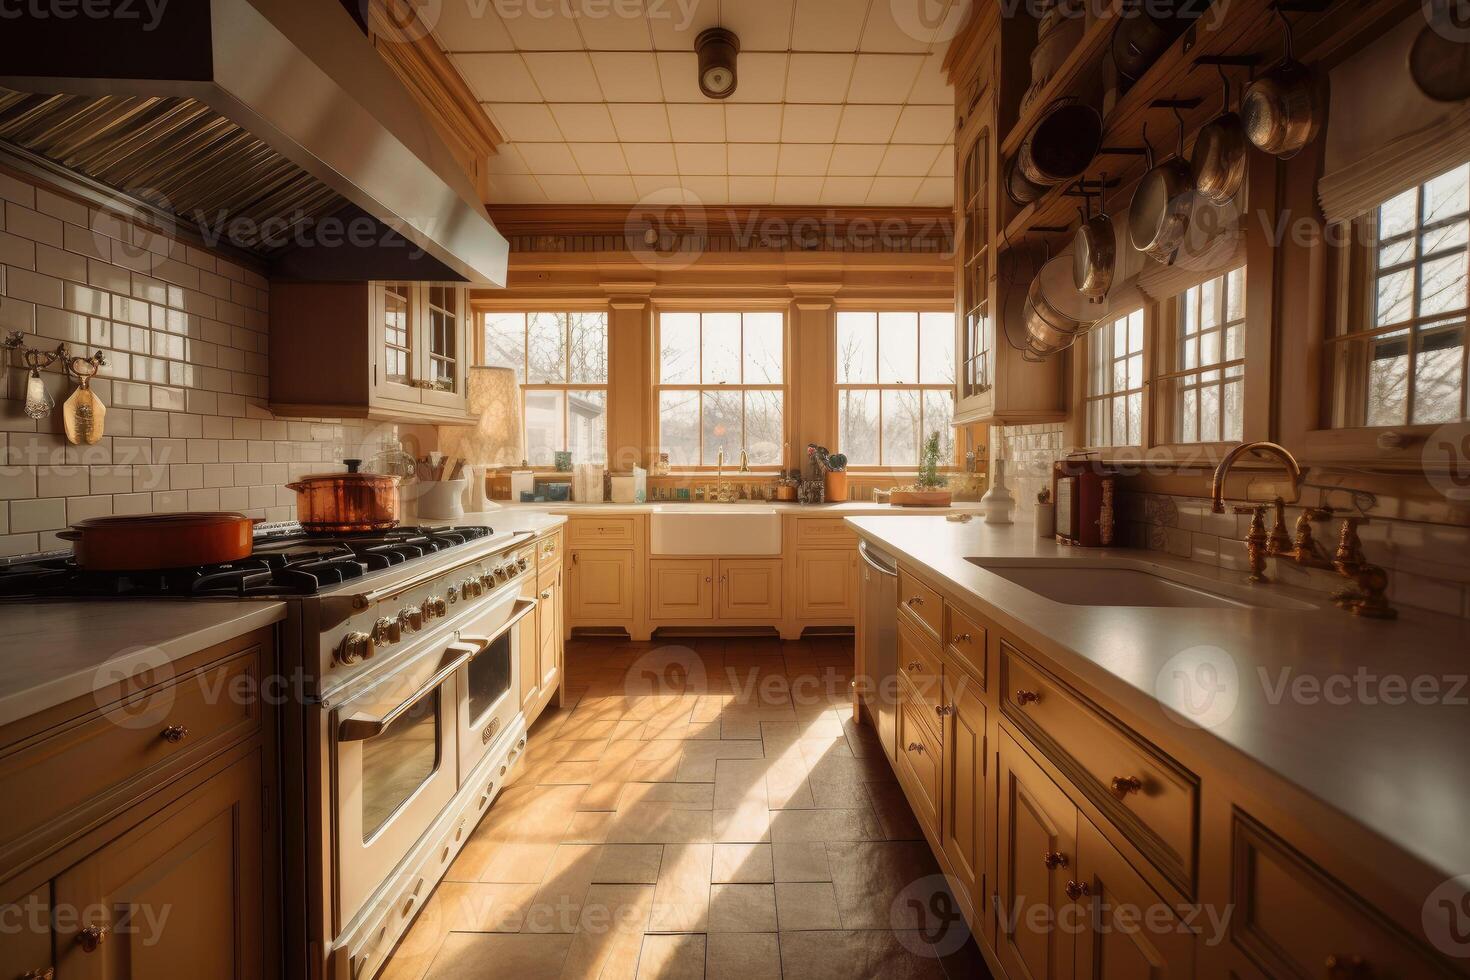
column 286, row 562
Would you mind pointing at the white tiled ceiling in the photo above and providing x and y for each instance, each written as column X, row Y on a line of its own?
column 837, row 103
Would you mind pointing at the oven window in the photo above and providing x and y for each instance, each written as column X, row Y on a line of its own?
column 396, row 763
column 489, row 677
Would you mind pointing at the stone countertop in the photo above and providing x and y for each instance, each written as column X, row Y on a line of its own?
column 851, row 508
column 57, row 651
column 1367, row 716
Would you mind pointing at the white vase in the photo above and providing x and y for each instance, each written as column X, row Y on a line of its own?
column 998, row 501
column 1046, row 520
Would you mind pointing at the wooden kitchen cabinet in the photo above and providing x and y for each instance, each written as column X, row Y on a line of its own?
column 750, row 589
column 548, row 627
column 1036, row 854
column 1116, row 945
column 826, row 584
column 681, row 589
column 179, row 895
column 966, row 782
column 391, row 351
column 601, row 587
column 25, row 942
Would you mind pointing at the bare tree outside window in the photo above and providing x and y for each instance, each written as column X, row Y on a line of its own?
column 720, row 386
column 1401, row 357
column 561, row 361
column 895, row 385
column 1113, row 404
column 1209, row 360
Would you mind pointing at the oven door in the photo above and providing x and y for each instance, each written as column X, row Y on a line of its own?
column 489, row 684
column 394, row 767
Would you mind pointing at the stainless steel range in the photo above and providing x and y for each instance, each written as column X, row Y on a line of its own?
column 401, row 717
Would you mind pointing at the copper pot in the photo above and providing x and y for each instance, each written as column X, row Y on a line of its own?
column 145, row 541
column 345, row 503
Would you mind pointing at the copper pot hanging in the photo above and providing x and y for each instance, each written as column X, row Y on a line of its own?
column 346, row 503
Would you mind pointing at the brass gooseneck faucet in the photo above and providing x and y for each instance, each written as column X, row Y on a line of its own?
column 1301, row 548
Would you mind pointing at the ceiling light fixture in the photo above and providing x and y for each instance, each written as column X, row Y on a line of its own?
column 717, row 49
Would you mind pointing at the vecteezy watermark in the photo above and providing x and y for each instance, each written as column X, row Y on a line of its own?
column 1446, row 457
column 1450, row 19
column 148, row 12
column 119, row 686
column 930, row 21
column 1199, row 687
column 667, row 229
column 926, row 917
column 403, row 21
column 669, row 669
column 1446, row 917
column 1364, row 687
column 142, row 922
column 1099, row 916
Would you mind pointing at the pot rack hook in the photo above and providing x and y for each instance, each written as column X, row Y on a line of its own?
column 1285, row 30
column 1148, row 148
column 1224, row 84
column 1179, row 118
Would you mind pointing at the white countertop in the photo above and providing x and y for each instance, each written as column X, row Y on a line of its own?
column 852, row 508
column 57, row 651
column 1394, row 763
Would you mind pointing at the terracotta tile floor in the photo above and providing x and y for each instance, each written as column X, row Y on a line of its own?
column 699, row 808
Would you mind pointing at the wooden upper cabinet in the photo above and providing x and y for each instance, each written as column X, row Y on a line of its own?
column 395, row 351
column 994, row 383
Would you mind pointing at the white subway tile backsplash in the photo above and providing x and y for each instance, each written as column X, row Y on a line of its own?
column 37, row 514
column 81, row 508
column 62, row 481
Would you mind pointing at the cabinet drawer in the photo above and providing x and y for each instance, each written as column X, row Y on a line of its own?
column 919, row 758
column 52, row 784
column 1151, row 798
column 824, row 533
column 921, row 602
column 606, row 531
column 1294, row 919
column 920, row 665
column 965, row 639
column 548, row 552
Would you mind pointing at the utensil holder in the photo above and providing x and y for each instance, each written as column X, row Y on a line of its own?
column 441, row 500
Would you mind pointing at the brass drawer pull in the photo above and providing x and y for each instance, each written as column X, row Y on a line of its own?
column 1076, row 889
column 916, row 600
column 1123, row 785
column 91, row 937
column 913, row 666
column 174, row 734
column 1024, row 698
column 916, row 747
column 944, row 710
column 961, row 638
column 46, row 974
column 1054, row 860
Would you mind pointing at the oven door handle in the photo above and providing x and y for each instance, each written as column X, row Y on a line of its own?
column 522, row 609
column 360, row 727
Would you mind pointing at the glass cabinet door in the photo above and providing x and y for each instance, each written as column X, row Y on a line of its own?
column 977, row 326
column 443, row 342
column 397, row 368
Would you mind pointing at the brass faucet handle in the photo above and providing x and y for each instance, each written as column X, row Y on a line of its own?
column 1257, row 509
column 1319, row 514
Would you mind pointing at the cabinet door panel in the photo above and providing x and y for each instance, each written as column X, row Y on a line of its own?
column 1038, row 828
column 750, row 589
column 826, row 584
column 180, row 895
column 602, row 586
column 681, row 589
column 25, row 939
column 1131, row 934
column 442, row 346
column 549, row 626
column 396, row 356
column 965, row 780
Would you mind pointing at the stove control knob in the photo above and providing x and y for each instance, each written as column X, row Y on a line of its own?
column 475, row 587
column 502, row 573
column 410, row 619
column 440, row 608
column 429, row 609
column 453, row 593
column 387, row 631
column 523, row 563
column 487, row 581
column 354, row 647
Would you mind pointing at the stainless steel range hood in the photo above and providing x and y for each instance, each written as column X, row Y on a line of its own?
column 269, row 125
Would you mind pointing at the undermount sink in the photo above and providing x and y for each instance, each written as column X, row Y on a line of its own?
column 715, row 529
column 1130, row 582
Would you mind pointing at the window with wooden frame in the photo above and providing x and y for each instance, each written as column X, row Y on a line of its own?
column 1399, row 354
column 1113, row 397
column 895, row 374
column 721, row 386
column 398, row 332
column 1203, row 385
column 561, row 362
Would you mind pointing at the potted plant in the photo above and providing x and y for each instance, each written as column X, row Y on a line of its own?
column 929, row 490
column 836, row 477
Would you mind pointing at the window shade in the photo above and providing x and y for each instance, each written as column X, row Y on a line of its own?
column 1389, row 136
